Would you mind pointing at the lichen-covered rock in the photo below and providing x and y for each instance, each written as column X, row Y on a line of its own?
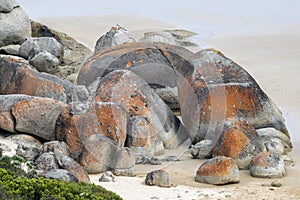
column 116, row 36
column 238, row 140
column 73, row 167
column 218, row 171
column 152, row 62
column 139, row 136
column 267, row 165
column 33, row 46
column 14, row 25
column 80, row 120
column 158, row 177
column 213, row 87
column 18, row 77
column 37, row 116
column 136, row 96
column 7, row 120
column 100, row 154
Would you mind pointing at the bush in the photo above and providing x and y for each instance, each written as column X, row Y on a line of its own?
column 17, row 184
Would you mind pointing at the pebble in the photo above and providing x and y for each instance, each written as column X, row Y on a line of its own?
column 276, row 183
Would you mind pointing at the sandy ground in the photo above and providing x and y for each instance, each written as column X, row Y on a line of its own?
column 272, row 59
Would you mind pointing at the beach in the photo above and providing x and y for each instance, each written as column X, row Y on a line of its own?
column 268, row 51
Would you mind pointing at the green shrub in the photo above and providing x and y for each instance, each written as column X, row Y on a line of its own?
column 18, row 185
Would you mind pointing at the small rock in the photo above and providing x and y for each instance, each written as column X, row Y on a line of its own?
column 131, row 172
column 57, row 147
column 201, row 149
column 218, row 171
column 276, row 183
column 44, row 62
column 10, row 50
column 147, row 160
column 158, row 177
column 267, row 165
column 107, row 177
column 46, row 161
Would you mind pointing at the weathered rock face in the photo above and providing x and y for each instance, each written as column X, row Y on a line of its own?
column 214, row 88
column 14, row 24
column 7, row 6
column 101, row 154
column 158, row 177
column 46, row 162
column 10, row 50
column 140, row 136
column 61, row 174
column 239, row 141
column 218, row 171
column 57, row 147
column 80, row 120
column 135, row 95
column 152, row 62
column 116, row 36
column 267, row 165
column 17, row 77
column 7, row 120
column 37, row 116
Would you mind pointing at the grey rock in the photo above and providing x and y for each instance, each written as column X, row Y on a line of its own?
column 147, row 160
column 73, row 167
column 7, row 6
column 267, row 165
column 72, row 78
column 59, row 148
column 107, row 177
column 60, row 174
column 44, row 62
column 276, row 183
column 24, row 139
column 46, row 162
column 14, row 27
column 131, row 172
column 29, row 152
column 32, row 46
column 158, row 177
column 201, row 149
column 117, row 35
column 10, row 49
column 124, row 159
column 169, row 95
column 218, row 171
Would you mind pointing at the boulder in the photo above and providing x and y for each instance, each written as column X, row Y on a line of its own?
column 267, row 165
column 213, row 87
column 116, row 36
column 158, row 177
column 136, row 96
column 152, row 62
column 80, row 120
column 21, row 78
column 44, row 62
column 12, row 49
column 238, row 140
column 7, row 6
column 74, row 52
column 60, row 174
column 7, row 120
column 37, row 116
column 73, row 167
column 59, row 148
column 33, row 46
column 107, row 177
column 14, row 25
column 218, row 171
column 46, row 162
column 100, row 154
column 139, row 136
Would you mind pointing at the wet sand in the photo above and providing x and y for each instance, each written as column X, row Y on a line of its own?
column 272, row 59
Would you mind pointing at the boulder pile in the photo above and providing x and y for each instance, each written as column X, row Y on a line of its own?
column 120, row 107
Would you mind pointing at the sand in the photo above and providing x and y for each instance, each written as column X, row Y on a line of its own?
column 269, row 52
